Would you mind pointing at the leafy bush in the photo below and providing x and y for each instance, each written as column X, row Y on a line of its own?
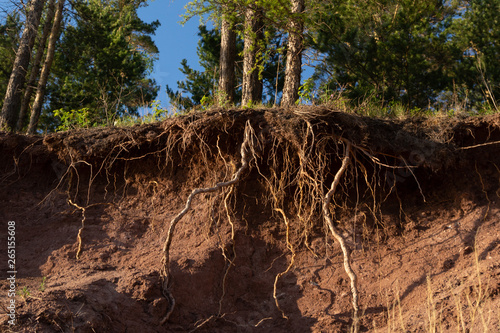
column 81, row 118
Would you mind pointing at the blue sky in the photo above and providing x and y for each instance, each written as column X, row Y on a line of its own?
column 174, row 41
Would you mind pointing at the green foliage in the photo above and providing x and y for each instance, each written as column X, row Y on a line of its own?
column 10, row 30
column 424, row 55
column 156, row 114
column 43, row 284
column 476, row 32
column 207, row 102
column 272, row 60
column 81, row 118
column 306, row 92
column 388, row 58
column 394, row 50
column 24, row 293
column 102, row 62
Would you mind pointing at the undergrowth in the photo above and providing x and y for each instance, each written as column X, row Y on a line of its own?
column 308, row 96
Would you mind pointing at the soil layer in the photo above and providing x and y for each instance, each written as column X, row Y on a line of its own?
column 418, row 207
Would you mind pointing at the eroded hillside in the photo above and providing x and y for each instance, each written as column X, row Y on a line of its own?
column 417, row 204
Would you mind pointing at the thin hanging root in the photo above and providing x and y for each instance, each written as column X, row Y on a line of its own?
column 80, row 231
column 415, row 177
column 247, row 154
column 198, row 326
column 339, row 237
column 484, row 191
column 79, row 237
column 290, row 247
column 230, row 261
column 498, row 190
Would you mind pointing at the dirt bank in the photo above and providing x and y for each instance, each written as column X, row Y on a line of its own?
column 418, row 206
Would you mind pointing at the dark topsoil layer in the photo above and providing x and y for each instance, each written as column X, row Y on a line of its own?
column 410, row 182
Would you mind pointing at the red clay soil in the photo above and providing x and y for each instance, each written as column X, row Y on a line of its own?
column 419, row 208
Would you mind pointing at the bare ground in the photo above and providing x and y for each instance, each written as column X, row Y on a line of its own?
column 418, row 207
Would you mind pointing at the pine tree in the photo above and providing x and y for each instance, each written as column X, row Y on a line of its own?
column 476, row 33
column 11, row 104
column 394, row 51
column 10, row 32
column 42, row 82
column 35, row 68
column 258, row 48
column 227, row 63
column 252, row 56
column 199, row 85
column 294, row 55
column 101, row 64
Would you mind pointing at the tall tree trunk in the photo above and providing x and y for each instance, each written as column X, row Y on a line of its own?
column 294, row 56
column 226, row 64
column 35, row 67
column 42, row 82
column 18, row 76
column 252, row 85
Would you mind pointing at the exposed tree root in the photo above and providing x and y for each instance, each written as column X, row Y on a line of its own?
column 230, row 261
column 339, row 237
column 293, row 156
column 200, row 325
column 292, row 261
column 295, row 152
column 79, row 236
column 480, row 145
column 247, row 154
column 483, row 189
column 80, row 231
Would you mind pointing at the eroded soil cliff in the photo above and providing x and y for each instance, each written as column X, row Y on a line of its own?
column 418, row 206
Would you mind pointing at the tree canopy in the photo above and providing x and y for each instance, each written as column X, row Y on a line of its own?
column 103, row 61
column 423, row 56
column 101, row 64
column 416, row 53
column 10, row 31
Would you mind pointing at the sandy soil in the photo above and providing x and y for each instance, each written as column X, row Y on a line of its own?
column 425, row 238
